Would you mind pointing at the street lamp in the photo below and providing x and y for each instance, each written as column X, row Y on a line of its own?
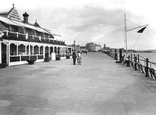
column 74, row 44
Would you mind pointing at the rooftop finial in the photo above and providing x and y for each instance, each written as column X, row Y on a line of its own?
column 13, row 5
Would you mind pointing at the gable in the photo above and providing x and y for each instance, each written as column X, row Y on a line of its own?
column 13, row 14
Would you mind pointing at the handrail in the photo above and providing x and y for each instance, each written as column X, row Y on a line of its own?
column 135, row 62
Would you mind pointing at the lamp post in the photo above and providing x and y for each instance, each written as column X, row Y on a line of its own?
column 74, row 44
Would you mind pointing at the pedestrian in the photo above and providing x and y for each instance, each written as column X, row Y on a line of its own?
column 74, row 58
column 79, row 58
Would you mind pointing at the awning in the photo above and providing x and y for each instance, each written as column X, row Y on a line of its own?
column 7, row 21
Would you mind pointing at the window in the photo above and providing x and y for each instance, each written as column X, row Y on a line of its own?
column 13, row 49
column 21, row 49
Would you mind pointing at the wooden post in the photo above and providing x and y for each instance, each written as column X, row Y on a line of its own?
column 138, row 59
column 147, row 66
column 120, row 54
column 135, row 62
column 115, row 54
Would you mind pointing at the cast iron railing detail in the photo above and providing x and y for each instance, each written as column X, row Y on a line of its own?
column 144, row 65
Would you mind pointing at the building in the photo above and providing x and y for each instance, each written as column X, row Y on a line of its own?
column 92, row 47
column 97, row 47
column 21, row 40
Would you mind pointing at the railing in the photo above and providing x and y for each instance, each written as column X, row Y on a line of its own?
column 18, row 58
column 31, row 38
column 142, row 64
column 138, row 62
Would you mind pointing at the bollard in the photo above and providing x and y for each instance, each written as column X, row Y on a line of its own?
column 147, row 68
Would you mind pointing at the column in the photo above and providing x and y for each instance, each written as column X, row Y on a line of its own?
column 25, row 49
column 32, row 50
column 39, row 50
column 17, row 50
column 29, row 52
column 43, row 51
column 0, row 52
column 8, row 54
column 49, row 51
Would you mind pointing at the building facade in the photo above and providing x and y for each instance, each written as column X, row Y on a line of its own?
column 92, row 47
column 21, row 41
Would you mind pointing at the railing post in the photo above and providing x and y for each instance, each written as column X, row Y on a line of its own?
column 120, row 54
column 138, row 59
column 135, row 62
column 146, row 67
column 115, row 54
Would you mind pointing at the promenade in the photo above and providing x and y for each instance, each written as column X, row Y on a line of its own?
column 97, row 87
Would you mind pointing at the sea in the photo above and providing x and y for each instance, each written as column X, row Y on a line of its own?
column 150, row 56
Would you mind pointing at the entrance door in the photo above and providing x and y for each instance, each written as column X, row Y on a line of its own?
column 4, row 53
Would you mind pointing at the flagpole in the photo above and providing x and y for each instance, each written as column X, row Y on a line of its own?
column 125, row 33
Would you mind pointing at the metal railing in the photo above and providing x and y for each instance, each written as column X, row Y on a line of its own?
column 138, row 62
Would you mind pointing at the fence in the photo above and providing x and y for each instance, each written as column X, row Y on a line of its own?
column 142, row 64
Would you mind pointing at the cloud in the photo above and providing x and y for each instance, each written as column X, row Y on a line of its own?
column 99, row 21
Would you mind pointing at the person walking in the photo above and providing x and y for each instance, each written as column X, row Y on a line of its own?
column 74, row 58
column 79, row 58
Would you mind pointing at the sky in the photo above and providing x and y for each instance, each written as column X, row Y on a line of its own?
column 98, row 21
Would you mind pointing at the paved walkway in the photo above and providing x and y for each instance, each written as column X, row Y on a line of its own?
column 97, row 87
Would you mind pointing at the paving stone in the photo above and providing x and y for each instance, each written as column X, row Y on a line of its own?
column 59, row 104
column 29, row 102
column 29, row 111
column 98, row 87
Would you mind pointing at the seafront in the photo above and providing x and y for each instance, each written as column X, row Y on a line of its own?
column 97, row 87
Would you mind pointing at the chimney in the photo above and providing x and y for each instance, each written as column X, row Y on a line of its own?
column 25, row 17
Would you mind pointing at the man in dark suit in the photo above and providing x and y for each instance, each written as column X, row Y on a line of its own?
column 74, row 58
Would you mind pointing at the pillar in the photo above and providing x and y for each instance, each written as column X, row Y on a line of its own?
column 8, row 54
column 0, row 52
column 25, row 49
column 43, row 51
column 17, row 50
column 39, row 50
column 49, row 51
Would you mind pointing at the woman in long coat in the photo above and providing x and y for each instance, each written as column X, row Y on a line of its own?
column 79, row 58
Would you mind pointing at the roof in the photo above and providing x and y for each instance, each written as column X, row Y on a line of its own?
column 2, row 27
column 12, row 18
column 8, row 21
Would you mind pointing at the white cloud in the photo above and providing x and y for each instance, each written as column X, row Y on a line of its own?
column 87, row 20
